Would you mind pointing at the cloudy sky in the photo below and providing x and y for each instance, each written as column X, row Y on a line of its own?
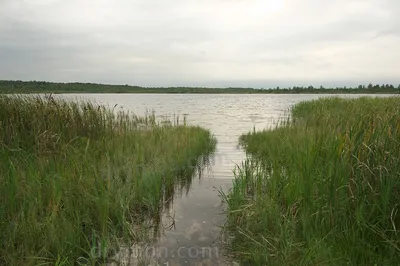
column 257, row 43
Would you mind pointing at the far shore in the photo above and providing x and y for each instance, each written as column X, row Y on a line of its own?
column 26, row 87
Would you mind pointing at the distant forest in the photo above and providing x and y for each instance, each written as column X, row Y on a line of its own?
column 17, row 86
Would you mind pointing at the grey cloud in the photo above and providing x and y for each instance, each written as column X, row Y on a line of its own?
column 155, row 43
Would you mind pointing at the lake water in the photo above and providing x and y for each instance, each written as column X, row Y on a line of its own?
column 195, row 239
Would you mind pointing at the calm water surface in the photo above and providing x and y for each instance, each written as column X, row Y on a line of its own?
column 195, row 238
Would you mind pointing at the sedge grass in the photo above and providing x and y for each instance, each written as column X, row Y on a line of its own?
column 321, row 189
column 77, row 180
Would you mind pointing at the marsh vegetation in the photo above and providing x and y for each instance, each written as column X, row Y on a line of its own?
column 77, row 177
column 323, row 188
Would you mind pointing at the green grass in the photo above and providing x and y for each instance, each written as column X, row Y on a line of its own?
column 323, row 188
column 76, row 178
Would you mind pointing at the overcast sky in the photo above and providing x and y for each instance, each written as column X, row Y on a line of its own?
column 257, row 43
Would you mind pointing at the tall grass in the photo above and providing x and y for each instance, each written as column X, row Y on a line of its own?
column 77, row 178
column 323, row 189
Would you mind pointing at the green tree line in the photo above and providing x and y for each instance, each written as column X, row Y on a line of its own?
column 18, row 86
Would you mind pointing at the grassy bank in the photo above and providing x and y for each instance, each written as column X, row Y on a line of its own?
column 77, row 178
column 323, row 189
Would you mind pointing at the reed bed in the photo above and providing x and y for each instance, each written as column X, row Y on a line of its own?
column 78, row 180
column 323, row 188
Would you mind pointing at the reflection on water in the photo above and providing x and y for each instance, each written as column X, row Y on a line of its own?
column 192, row 213
column 188, row 231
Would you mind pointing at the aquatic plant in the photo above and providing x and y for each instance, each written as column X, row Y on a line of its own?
column 323, row 188
column 78, row 180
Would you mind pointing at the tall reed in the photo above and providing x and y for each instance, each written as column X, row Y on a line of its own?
column 78, row 180
column 323, row 188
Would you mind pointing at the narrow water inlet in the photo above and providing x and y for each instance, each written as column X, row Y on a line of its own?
column 195, row 237
column 190, row 227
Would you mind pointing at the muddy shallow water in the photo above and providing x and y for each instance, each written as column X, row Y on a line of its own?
column 192, row 223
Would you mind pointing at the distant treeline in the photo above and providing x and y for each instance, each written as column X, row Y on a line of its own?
column 11, row 86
